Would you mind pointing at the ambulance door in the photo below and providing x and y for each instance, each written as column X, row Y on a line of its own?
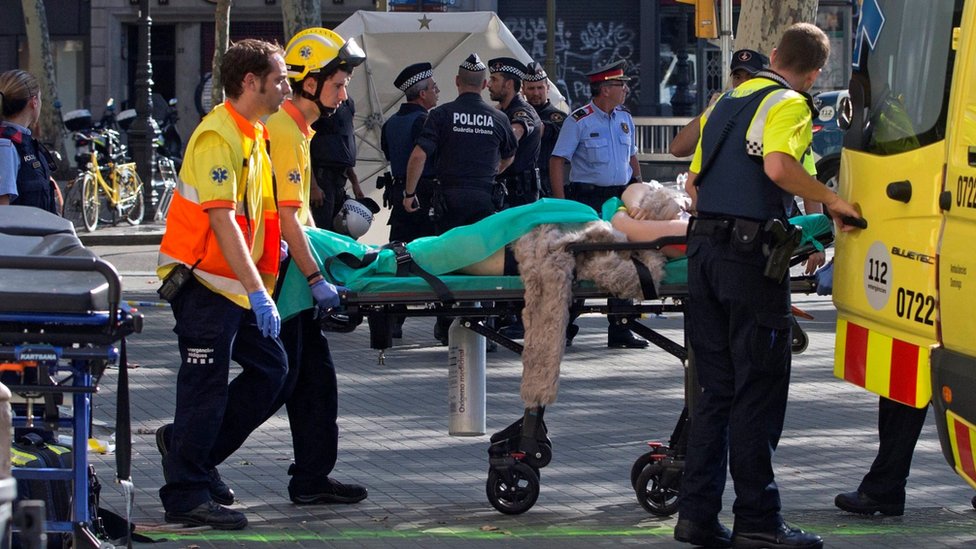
column 954, row 361
column 892, row 169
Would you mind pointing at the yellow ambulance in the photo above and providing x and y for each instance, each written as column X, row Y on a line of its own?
column 905, row 287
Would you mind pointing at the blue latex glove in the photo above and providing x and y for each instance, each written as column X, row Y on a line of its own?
column 326, row 295
column 267, row 314
column 825, row 279
column 283, row 248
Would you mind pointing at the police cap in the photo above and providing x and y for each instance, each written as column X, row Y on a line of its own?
column 413, row 74
column 473, row 63
column 613, row 71
column 748, row 60
column 534, row 72
column 511, row 66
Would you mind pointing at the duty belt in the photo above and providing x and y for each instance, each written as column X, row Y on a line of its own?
column 710, row 226
column 590, row 187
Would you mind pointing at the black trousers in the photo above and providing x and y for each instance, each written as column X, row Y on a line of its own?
column 899, row 427
column 332, row 181
column 738, row 325
column 406, row 226
column 213, row 418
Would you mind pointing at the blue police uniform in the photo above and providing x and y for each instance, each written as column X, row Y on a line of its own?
column 738, row 320
column 521, row 179
column 333, row 151
column 34, row 186
column 552, row 122
column 469, row 138
column 397, row 139
column 599, row 146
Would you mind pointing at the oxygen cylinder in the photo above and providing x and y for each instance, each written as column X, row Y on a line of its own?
column 465, row 381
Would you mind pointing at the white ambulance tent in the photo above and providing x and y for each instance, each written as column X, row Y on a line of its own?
column 393, row 40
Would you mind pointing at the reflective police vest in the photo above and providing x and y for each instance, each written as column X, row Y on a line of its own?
column 34, row 175
column 734, row 182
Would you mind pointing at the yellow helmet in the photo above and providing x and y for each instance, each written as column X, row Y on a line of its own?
column 318, row 50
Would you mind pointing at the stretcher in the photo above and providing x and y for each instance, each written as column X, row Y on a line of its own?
column 62, row 323
column 420, row 280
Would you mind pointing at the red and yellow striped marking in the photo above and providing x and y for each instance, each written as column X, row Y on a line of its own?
column 962, row 434
column 881, row 364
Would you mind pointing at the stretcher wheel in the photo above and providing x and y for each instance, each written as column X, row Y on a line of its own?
column 800, row 340
column 638, row 467
column 515, row 495
column 655, row 495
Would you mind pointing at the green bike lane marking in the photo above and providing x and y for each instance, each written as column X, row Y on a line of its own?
column 914, row 530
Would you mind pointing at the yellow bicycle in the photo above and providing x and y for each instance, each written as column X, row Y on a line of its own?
column 117, row 182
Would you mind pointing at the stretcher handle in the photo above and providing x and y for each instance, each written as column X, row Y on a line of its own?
column 858, row 222
column 49, row 263
column 624, row 246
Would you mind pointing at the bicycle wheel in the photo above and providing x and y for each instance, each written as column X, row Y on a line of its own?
column 89, row 201
column 132, row 203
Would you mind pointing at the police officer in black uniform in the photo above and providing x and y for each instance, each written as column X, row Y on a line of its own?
column 472, row 141
column 333, row 152
column 519, row 183
column 738, row 317
column 535, row 87
column 398, row 138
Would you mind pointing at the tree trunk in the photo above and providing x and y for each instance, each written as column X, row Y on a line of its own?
column 298, row 15
column 41, row 65
column 762, row 22
column 221, row 43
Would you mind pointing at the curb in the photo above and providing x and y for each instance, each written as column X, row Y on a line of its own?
column 132, row 239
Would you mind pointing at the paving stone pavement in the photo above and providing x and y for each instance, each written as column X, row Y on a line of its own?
column 427, row 489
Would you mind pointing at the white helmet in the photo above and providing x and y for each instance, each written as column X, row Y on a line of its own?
column 353, row 219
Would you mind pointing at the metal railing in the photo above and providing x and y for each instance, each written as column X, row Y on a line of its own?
column 654, row 135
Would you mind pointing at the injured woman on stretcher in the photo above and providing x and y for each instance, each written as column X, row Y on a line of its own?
column 531, row 248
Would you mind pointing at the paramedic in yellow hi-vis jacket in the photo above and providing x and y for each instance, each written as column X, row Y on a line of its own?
column 746, row 170
column 219, row 262
column 320, row 64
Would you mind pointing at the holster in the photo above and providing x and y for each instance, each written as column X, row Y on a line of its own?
column 498, row 193
column 781, row 240
column 438, row 204
column 385, row 182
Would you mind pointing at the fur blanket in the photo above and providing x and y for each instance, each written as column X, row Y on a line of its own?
column 547, row 272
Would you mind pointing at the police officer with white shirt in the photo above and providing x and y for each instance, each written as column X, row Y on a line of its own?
column 598, row 141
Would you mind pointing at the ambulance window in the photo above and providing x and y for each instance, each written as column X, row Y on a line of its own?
column 906, row 69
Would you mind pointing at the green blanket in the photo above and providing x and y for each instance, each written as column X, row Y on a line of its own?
column 437, row 255
column 463, row 246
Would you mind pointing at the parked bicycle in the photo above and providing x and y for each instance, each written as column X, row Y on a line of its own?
column 168, row 148
column 105, row 172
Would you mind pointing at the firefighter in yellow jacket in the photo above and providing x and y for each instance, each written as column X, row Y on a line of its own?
column 219, row 261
